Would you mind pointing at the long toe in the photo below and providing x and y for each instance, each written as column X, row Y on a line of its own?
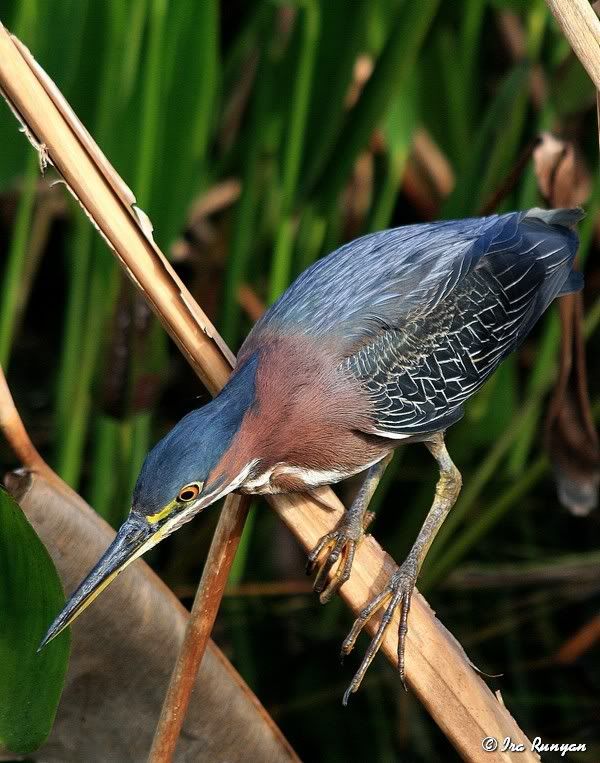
column 313, row 557
column 363, row 618
column 397, row 594
column 327, row 565
column 342, row 573
column 373, row 646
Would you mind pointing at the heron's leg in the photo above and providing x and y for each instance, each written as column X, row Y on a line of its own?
column 398, row 591
column 340, row 544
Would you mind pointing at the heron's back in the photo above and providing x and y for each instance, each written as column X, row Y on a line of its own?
column 422, row 315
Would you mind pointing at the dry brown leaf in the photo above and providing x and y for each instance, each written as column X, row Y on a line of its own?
column 356, row 198
column 250, row 302
column 428, row 176
column 580, row 642
column 571, row 438
column 434, row 162
column 562, row 176
column 363, row 68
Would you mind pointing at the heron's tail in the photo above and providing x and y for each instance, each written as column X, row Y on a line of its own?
column 563, row 218
column 573, row 283
column 566, row 218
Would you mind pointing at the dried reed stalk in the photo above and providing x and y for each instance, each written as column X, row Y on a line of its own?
column 437, row 668
column 199, row 627
column 581, row 27
column 13, row 429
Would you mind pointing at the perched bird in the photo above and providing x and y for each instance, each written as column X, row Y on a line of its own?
column 379, row 343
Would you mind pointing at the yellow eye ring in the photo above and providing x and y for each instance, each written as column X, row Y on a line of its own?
column 189, row 493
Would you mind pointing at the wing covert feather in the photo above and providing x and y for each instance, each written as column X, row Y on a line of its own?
column 418, row 375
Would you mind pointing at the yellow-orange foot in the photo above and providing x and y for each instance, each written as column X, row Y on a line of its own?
column 336, row 547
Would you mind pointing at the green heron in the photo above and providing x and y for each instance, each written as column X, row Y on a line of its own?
column 377, row 344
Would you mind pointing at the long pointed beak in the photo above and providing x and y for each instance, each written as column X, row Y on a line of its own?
column 133, row 539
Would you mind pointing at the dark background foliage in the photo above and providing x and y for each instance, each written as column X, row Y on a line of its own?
column 258, row 136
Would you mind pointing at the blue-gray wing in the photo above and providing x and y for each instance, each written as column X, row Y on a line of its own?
column 419, row 373
column 424, row 313
column 382, row 276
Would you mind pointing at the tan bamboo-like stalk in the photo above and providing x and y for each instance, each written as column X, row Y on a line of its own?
column 437, row 668
column 581, row 27
column 13, row 429
column 197, row 633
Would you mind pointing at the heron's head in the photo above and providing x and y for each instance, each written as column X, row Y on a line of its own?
column 185, row 472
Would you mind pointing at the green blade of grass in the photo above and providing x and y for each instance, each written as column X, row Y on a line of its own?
column 390, row 73
column 281, row 264
column 191, row 85
column 14, row 159
column 311, row 234
column 398, row 129
column 151, row 113
column 245, row 214
column 73, row 430
column 344, row 30
column 15, row 265
column 74, row 388
column 103, row 493
column 465, row 198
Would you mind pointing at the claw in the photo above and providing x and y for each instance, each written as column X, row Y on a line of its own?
column 331, row 559
column 336, row 547
column 369, row 517
column 316, row 552
column 397, row 592
column 342, row 574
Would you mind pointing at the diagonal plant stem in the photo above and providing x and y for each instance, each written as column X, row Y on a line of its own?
column 214, row 371
column 437, row 668
column 15, row 263
column 204, row 611
column 13, row 429
column 581, row 27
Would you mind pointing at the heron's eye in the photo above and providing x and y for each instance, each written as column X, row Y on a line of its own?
column 189, row 492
